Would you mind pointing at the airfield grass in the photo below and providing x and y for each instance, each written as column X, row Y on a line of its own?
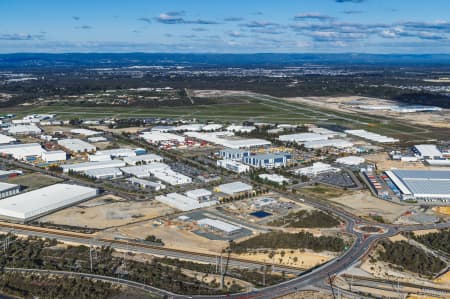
column 255, row 108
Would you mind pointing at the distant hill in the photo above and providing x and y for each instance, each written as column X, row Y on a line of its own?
column 76, row 60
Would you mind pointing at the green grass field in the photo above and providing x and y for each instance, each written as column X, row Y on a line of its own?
column 259, row 108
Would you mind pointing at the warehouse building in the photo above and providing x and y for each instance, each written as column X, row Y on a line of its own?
column 76, row 145
column 182, row 202
column 36, row 203
column 233, row 166
column 82, row 167
column 7, row 190
column 221, row 138
column 159, row 137
column 148, row 158
column 4, row 139
column 117, row 152
column 145, row 184
column 427, row 152
column 200, row 195
column 428, row 185
column 267, row 160
column 350, row 160
column 85, row 132
column 54, row 156
column 24, row 130
column 336, row 143
column 371, row 136
column 302, row 137
column 234, row 188
column 316, row 169
column 219, row 225
column 97, row 139
column 160, row 171
column 103, row 173
column 212, row 127
column 22, row 151
column 99, row 158
column 241, row 129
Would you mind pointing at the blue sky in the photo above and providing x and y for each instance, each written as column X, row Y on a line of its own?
column 231, row 26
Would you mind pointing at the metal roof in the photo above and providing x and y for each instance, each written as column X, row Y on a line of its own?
column 425, row 182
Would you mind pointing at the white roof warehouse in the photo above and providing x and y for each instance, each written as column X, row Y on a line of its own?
column 29, row 205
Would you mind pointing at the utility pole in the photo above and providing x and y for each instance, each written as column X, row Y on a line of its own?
column 90, row 254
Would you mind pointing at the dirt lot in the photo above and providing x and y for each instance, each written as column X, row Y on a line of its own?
column 107, row 211
column 34, row 180
column 383, row 162
column 294, row 258
column 173, row 236
column 362, row 203
column 439, row 119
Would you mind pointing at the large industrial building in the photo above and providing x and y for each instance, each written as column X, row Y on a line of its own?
column 54, row 156
column 76, row 145
column 148, row 158
column 4, row 139
column 427, row 152
column 336, row 143
column 422, row 184
column 222, row 138
column 82, row 167
column 158, row 170
column 184, row 203
column 233, row 154
column 22, row 151
column 317, row 168
column 371, row 136
column 302, row 137
column 36, row 203
column 158, row 137
column 24, row 130
column 234, row 188
column 234, row 166
column 218, row 225
column 7, row 190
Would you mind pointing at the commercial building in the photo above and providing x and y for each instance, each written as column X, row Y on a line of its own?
column 4, row 139
column 22, row 151
column 267, row 160
column 99, row 158
column 427, row 152
column 103, row 173
column 234, row 166
column 219, row 225
column 159, row 137
column 182, row 202
column 275, row 178
column 24, row 130
column 158, row 170
column 350, row 160
column 422, row 184
column 7, row 190
column 316, row 169
column 212, row 127
column 234, row 188
column 117, row 152
column 199, row 194
column 144, row 184
column 54, row 156
column 241, row 129
column 36, row 203
column 233, row 154
column 85, row 132
column 336, row 143
column 148, row 158
column 190, row 127
column 82, row 167
column 222, row 138
column 75, row 145
column 302, row 137
column 371, row 136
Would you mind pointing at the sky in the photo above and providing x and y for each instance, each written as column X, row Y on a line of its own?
column 229, row 26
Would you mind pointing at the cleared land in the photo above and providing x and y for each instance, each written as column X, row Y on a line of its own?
column 34, row 180
column 363, row 204
column 107, row 211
